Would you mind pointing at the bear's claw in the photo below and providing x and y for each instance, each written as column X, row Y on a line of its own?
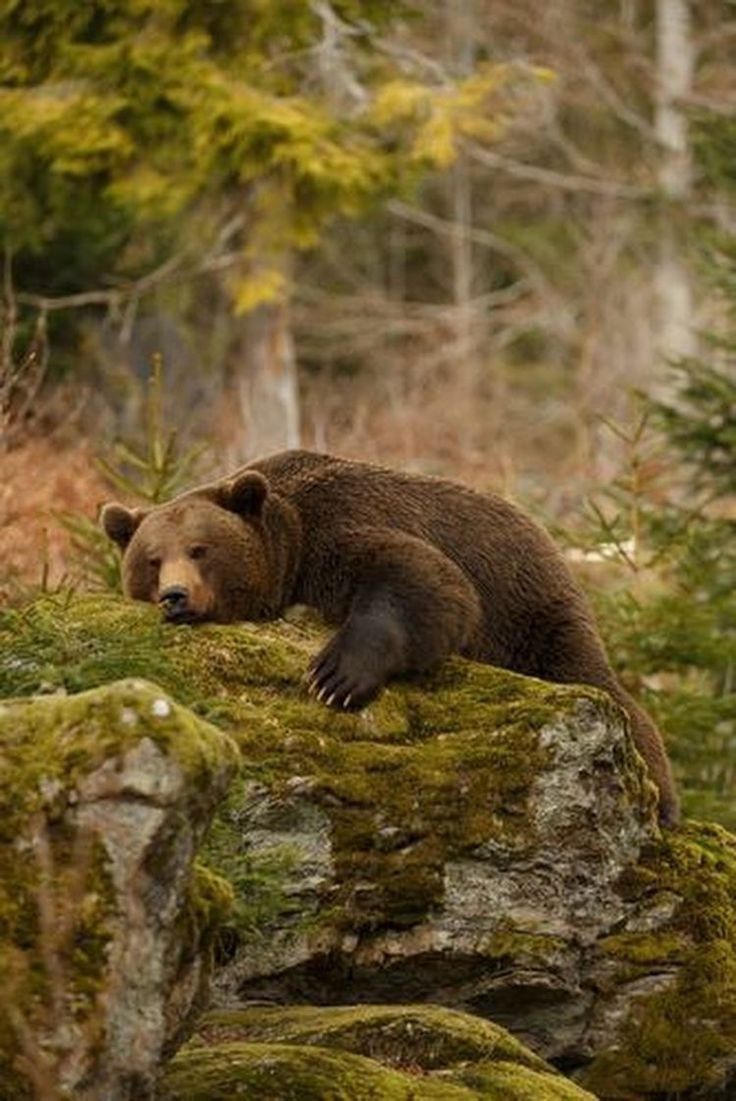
column 338, row 678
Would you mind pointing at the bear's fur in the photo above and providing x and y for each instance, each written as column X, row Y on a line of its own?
column 411, row 568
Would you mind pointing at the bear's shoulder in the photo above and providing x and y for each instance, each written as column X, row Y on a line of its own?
column 292, row 473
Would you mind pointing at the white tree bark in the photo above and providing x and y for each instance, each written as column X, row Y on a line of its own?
column 673, row 284
column 268, row 388
column 461, row 51
column 461, row 257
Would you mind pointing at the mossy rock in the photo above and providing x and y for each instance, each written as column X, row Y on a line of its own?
column 80, row 773
column 433, row 768
column 286, row 1072
column 680, row 1039
column 425, row 1037
column 438, row 780
column 371, row 1052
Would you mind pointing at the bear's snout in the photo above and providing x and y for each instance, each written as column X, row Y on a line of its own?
column 175, row 604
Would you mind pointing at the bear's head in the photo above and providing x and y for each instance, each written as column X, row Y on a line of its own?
column 204, row 555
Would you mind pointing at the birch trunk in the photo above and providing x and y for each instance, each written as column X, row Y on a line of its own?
column 461, row 51
column 268, row 389
column 673, row 285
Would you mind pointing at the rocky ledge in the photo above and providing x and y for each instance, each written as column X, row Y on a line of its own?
column 479, row 840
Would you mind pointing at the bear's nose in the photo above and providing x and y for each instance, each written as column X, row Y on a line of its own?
column 175, row 602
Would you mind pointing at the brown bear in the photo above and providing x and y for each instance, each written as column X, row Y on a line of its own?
column 411, row 568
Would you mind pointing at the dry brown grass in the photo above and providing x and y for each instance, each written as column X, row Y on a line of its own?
column 39, row 479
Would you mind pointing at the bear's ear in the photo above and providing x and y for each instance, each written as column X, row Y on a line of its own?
column 120, row 523
column 245, row 494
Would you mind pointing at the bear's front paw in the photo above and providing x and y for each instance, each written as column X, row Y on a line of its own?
column 341, row 677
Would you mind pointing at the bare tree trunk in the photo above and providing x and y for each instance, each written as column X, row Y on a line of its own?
column 461, row 50
column 461, row 254
column 267, row 383
column 673, row 285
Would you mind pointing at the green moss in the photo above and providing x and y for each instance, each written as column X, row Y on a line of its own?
column 259, row 880
column 525, row 949
column 645, row 949
column 474, row 768
column 211, row 897
column 209, row 902
column 283, row 1072
column 510, row 1082
column 403, row 1052
column 679, row 1038
column 78, row 642
column 61, row 738
column 424, row 1037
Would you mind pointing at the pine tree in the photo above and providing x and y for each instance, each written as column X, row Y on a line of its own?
column 121, row 123
column 670, row 621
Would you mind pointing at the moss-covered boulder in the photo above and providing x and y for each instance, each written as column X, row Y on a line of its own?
column 106, row 927
column 478, row 840
column 387, row 1052
column 663, row 1024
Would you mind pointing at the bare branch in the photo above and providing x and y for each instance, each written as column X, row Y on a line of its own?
column 341, row 85
column 172, row 269
column 414, row 60
column 613, row 188
column 21, row 376
column 110, row 298
column 720, row 35
column 613, row 100
column 716, row 107
column 32, row 372
column 484, row 237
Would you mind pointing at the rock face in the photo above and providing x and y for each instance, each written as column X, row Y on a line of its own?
column 481, row 841
column 105, row 798
column 464, row 858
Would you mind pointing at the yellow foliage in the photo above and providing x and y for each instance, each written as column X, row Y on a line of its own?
column 147, row 190
column 73, row 127
column 435, row 140
column 437, row 118
column 399, row 101
column 253, row 290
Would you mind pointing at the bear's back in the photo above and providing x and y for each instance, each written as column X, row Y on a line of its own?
column 513, row 564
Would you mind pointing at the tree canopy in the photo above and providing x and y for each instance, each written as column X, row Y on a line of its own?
column 120, row 118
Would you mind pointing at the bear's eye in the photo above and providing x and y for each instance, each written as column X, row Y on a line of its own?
column 154, row 562
column 197, row 551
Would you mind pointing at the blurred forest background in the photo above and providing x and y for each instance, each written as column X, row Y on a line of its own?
column 491, row 239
